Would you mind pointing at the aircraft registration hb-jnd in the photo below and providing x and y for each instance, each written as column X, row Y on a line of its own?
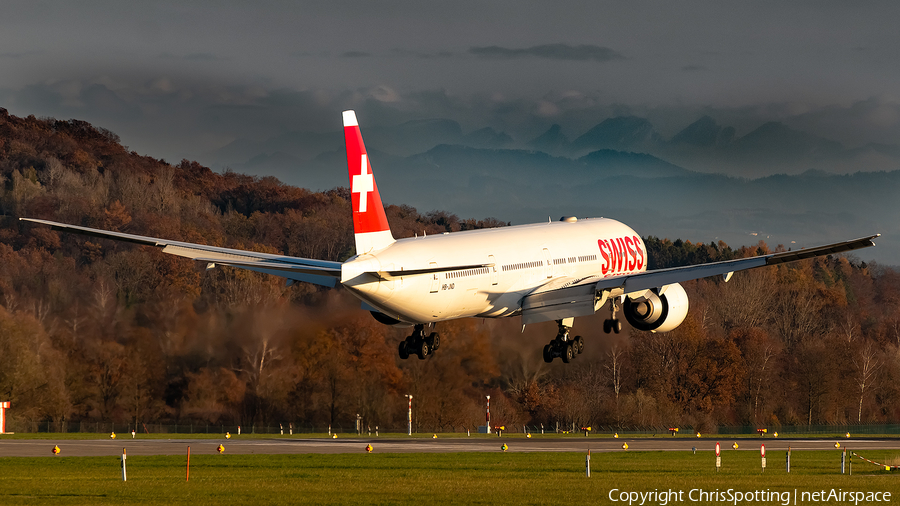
column 541, row 272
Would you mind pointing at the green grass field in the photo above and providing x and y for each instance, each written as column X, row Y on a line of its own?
column 452, row 478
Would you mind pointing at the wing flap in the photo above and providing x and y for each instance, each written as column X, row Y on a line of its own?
column 555, row 304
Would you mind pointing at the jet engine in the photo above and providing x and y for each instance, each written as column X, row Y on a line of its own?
column 387, row 320
column 657, row 312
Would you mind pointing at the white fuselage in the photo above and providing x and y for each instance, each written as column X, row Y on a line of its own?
column 519, row 260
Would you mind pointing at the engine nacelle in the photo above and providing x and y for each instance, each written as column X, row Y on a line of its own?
column 387, row 320
column 657, row 313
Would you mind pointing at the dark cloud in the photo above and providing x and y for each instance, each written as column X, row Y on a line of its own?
column 192, row 57
column 582, row 52
column 201, row 57
column 17, row 56
column 423, row 55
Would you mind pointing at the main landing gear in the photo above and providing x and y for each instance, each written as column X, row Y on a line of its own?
column 420, row 344
column 563, row 346
column 613, row 324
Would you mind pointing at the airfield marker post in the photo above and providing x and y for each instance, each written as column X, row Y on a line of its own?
column 3, row 407
column 718, row 457
column 762, row 452
column 843, row 459
column 188, row 475
column 488, row 414
column 587, row 464
column 787, row 458
column 124, row 477
column 409, row 417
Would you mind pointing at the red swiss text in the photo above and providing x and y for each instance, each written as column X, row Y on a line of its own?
column 622, row 254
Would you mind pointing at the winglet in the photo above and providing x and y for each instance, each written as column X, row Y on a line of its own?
column 370, row 224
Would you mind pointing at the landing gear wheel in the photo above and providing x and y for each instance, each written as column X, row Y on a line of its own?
column 548, row 353
column 568, row 352
column 404, row 351
column 616, row 326
column 606, row 327
column 434, row 340
column 579, row 344
column 422, row 349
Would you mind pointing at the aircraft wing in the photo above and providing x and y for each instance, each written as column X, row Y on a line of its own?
column 581, row 297
column 320, row 272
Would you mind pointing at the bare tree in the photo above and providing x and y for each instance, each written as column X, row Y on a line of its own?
column 613, row 367
column 866, row 364
column 797, row 313
column 745, row 300
column 849, row 326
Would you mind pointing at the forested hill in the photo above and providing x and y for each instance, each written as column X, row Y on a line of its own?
column 77, row 173
column 101, row 331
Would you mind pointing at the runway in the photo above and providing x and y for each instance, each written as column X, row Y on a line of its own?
column 275, row 446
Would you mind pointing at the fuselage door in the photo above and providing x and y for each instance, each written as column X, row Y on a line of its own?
column 495, row 270
column 435, row 278
column 548, row 264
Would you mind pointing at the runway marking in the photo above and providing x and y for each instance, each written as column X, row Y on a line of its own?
column 145, row 447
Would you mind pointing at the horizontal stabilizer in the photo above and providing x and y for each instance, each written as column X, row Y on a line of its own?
column 317, row 275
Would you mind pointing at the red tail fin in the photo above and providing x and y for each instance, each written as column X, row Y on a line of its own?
column 369, row 221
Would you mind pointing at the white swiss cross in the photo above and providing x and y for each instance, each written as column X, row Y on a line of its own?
column 363, row 184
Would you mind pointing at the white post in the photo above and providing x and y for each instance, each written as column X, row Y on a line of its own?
column 488, row 414
column 409, row 417
column 718, row 458
column 124, row 478
column 3, row 407
column 587, row 464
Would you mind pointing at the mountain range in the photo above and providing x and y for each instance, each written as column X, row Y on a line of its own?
column 777, row 184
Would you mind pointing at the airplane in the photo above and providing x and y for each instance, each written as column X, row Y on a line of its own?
column 554, row 271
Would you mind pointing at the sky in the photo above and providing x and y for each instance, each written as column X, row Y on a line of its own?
column 180, row 79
